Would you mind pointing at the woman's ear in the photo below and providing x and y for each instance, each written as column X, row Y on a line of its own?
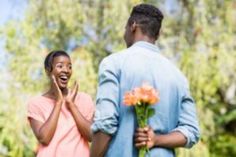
column 47, row 72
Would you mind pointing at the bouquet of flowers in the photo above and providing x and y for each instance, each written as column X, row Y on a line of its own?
column 142, row 98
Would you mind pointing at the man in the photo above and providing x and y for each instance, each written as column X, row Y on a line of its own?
column 115, row 126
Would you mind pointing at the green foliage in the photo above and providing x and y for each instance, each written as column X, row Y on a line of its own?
column 206, row 53
column 150, row 112
column 223, row 144
column 199, row 37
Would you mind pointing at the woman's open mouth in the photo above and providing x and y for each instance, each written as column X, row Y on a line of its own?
column 63, row 79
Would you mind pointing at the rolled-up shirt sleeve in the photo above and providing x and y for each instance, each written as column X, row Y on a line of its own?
column 188, row 121
column 106, row 113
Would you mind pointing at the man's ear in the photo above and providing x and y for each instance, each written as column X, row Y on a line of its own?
column 133, row 27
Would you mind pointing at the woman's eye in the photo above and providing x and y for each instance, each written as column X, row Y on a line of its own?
column 59, row 66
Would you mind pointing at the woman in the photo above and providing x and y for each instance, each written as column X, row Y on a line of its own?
column 61, row 118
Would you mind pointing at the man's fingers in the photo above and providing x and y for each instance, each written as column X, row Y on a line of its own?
column 140, row 130
column 141, row 134
column 141, row 144
column 146, row 128
column 141, row 139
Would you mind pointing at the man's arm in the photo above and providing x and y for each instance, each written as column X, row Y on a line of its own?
column 147, row 137
column 171, row 140
column 99, row 145
column 186, row 133
column 107, row 108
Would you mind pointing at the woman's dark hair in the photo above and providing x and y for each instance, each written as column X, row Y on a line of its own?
column 148, row 17
column 49, row 58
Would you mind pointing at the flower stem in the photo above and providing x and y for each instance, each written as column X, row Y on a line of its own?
column 142, row 117
column 142, row 152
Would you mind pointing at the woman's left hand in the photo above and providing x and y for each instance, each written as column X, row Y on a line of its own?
column 70, row 98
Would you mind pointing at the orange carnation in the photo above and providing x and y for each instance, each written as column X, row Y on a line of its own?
column 144, row 94
column 141, row 98
column 130, row 99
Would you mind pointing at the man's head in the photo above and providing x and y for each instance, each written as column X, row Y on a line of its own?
column 144, row 19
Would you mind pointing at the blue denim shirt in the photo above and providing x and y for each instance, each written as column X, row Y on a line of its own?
column 122, row 72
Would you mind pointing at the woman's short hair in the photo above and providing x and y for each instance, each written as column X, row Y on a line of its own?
column 49, row 58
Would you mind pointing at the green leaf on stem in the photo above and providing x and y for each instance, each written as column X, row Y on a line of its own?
column 151, row 112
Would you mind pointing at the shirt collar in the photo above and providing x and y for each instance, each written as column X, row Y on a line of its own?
column 147, row 45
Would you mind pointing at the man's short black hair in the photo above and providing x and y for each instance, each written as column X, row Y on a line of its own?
column 148, row 17
column 49, row 58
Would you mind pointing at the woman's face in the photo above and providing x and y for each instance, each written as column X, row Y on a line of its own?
column 62, row 70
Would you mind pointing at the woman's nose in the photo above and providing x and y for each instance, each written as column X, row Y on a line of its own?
column 65, row 69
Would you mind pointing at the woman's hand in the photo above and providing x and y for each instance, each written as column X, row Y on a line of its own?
column 70, row 98
column 144, row 137
column 83, row 124
column 44, row 131
column 58, row 93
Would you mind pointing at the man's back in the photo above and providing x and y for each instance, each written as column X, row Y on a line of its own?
column 126, row 70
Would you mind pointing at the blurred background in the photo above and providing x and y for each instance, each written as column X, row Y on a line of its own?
column 199, row 36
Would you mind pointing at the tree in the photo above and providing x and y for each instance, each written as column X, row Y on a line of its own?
column 50, row 25
column 198, row 37
column 202, row 42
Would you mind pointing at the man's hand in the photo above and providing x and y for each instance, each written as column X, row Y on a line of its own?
column 147, row 137
column 144, row 137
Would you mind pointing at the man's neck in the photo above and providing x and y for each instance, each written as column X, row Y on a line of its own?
column 149, row 41
column 141, row 37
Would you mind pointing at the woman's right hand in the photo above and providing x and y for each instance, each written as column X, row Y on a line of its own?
column 58, row 93
column 44, row 131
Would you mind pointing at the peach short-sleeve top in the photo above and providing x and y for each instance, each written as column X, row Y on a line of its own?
column 67, row 140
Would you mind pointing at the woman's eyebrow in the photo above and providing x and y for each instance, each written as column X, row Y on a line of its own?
column 63, row 63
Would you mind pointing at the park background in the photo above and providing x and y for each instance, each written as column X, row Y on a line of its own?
column 199, row 36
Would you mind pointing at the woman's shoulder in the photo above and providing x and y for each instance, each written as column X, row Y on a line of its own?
column 85, row 105
column 34, row 98
column 39, row 100
column 84, row 95
column 84, row 98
